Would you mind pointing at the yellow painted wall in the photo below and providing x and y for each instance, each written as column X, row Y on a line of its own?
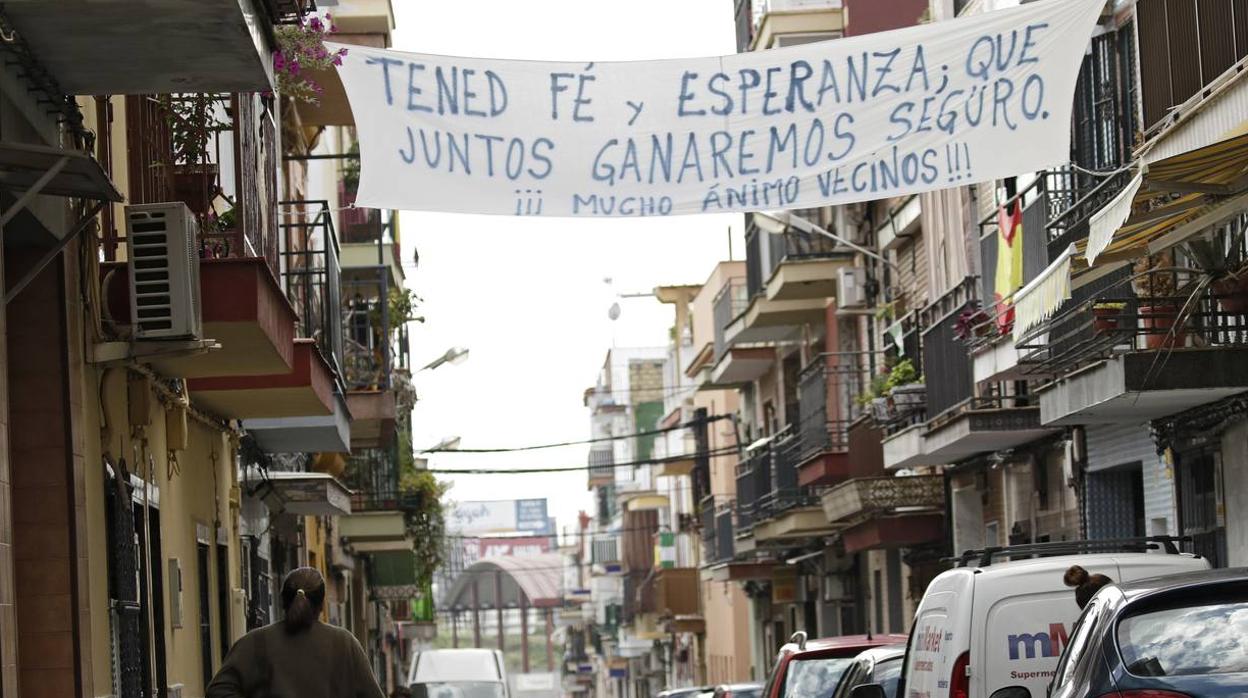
column 194, row 490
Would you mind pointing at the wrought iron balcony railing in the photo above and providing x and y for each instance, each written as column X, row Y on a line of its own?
column 238, row 210
column 376, row 344
column 953, row 383
column 311, row 275
column 1159, row 310
column 372, row 475
column 827, row 388
column 729, row 303
column 767, row 251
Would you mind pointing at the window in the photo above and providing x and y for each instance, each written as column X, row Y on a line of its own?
column 1187, row 640
column 887, row 674
column 1078, row 642
column 814, row 677
column 205, row 613
column 857, row 674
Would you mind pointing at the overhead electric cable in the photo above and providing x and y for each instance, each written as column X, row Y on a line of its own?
column 636, row 434
column 574, row 468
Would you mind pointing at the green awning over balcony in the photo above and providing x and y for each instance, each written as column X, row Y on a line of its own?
column 393, row 568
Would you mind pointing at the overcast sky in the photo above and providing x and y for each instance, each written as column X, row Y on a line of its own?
column 526, row 295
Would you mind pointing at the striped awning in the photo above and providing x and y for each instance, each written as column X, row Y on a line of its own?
column 1175, row 193
column 1043, row 295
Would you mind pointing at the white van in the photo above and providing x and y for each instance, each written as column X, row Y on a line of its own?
column 458, row 673
column 1002, row 625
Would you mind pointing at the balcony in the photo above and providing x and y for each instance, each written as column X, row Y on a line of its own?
column 309, row 389
column 373, row 476
column 779, row 23
column 826, row 391
column 792, row 266
column 1191, row 80
column 887, row 512
column 310, row 279
column 137, row 46
column 960, row 422
column 772, row 506
column 734, row 365
column 303, row 407
column 370, row 241
column 1132, row 354
column 601, row 467
column 375, row 354
column 300, row 492
column 789, row 511
column 676, row 592
column 243, row 309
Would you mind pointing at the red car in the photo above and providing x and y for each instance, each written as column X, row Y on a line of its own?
column 806, row 669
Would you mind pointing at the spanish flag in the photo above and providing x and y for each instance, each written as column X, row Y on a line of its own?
column 1009, row 263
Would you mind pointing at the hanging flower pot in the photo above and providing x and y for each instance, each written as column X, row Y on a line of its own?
column 1232, row 293
column 1157, row 322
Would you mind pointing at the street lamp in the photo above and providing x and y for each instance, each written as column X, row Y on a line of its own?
column 454, row 355
column 778, row 222
column 449, row 443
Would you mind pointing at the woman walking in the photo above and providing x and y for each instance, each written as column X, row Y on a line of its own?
column 299, row 657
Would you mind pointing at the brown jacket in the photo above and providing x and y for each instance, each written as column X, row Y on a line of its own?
column 322, row 662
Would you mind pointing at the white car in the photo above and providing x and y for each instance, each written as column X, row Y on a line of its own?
column 458, row 673
column 987, row 626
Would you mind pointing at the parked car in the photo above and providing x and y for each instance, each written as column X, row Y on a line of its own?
column 458, row 673
column 814, row 668
column 738, row 690
column 881, row 666
column 1181, row 636
column 989, row 625
column 688, row 692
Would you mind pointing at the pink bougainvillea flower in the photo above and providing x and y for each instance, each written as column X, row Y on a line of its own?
column 315, row 24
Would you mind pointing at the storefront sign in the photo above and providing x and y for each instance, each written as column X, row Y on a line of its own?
column 861, row 118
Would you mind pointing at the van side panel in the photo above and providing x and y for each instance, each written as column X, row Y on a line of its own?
column 941, row 633
column 1024, row 635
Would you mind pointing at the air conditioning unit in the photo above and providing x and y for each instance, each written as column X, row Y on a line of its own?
column 164, row 271
column 851, row 288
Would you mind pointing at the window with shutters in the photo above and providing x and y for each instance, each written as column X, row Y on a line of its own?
column 1185, row 45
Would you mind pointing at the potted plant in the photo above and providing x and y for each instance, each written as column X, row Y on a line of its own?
column 972, row 322
column 1105, row 317
column 1156, row 284
column 905, row 386
column 873, row 398
column 192, row 120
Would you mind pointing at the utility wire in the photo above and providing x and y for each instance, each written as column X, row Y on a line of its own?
column 574, row 468
column 599, row 439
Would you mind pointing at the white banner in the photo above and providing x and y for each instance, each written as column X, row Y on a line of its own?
column 854, row 119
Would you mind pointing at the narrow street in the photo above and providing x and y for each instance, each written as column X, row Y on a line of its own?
column 912, row 338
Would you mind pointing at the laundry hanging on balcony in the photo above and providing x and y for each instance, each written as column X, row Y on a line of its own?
column 869, row 117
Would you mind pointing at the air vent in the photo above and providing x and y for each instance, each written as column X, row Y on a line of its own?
column 164, row 271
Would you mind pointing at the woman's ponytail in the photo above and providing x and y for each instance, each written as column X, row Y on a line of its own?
column 303, row 597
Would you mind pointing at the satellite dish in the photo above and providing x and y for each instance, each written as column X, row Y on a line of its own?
column 614, row 312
